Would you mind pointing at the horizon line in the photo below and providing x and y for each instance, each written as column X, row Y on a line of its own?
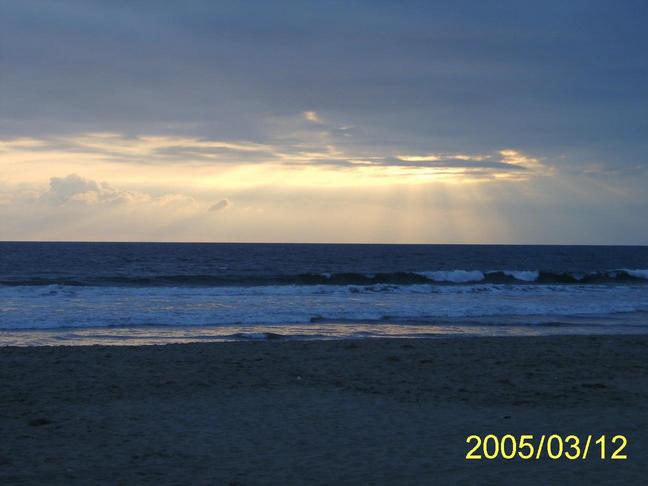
column 314, row 243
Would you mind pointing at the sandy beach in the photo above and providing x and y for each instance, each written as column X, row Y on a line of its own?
column 328, row 412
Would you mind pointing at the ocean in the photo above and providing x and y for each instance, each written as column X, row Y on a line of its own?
column 152, row 293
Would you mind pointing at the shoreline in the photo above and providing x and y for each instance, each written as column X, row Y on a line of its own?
column 382, row 411
column 634, row 324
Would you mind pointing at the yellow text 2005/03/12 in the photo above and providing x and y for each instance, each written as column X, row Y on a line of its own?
column 554, row 446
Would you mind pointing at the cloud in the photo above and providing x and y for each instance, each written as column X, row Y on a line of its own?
column 63, row 189
column 502, row 165
column 220, row 205
column 74, row 190
column 511, row 164
column 292, row 145
column 80, row 208
column 518, row 159
column 535, row 77
column 312, row 116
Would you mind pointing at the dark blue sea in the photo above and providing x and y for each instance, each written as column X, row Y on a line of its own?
column 137, row 293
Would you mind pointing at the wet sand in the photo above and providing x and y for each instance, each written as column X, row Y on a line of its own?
column 330, row 412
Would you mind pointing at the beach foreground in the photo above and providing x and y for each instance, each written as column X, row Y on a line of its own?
column 322, row 412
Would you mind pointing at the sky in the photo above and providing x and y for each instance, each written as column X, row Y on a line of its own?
column 351, row 121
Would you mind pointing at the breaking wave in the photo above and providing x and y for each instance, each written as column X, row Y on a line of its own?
column 456, row 277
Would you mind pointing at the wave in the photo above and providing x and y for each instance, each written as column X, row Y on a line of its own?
column 28, row 307
column 456, row 277
column 256, row 336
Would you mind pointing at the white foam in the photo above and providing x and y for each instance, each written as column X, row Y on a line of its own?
column 257, row 336
column 55, row 307
column 455, row 276
column 637, row 273
column 523, row 275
